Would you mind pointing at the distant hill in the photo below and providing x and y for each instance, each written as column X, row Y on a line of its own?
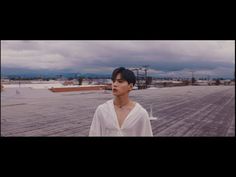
column 28, row 73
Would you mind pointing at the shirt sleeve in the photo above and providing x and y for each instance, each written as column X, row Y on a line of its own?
column 95, row 128
column 147, row 126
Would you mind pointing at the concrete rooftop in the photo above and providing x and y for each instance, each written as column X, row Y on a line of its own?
column 181, row 111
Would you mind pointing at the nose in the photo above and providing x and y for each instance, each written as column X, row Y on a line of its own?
column 115, row 84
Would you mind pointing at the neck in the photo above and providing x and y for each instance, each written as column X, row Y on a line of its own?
column 121, row 100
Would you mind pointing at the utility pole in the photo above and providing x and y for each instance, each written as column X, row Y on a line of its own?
column 141, row 78
column 145, row 69
column 193, row 79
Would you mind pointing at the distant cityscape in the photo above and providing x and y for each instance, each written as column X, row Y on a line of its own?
column 91, row 81
column 78, row 79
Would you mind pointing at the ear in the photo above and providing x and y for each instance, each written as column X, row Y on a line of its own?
column 131, row 86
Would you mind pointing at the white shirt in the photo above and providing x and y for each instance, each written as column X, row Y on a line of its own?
column 105, row 122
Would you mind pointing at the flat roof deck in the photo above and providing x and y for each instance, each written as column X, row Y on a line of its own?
column 181, row 111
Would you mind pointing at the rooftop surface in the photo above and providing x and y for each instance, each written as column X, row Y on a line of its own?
column 180, row 111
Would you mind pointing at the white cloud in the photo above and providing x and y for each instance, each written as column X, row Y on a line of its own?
column 97, row 55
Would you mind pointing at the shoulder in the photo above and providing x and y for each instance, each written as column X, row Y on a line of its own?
column 105, row 105
column 142, row 110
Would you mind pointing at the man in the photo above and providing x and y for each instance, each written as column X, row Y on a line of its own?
column 121, row 116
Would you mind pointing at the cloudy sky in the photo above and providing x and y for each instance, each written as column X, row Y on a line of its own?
column 165, row 58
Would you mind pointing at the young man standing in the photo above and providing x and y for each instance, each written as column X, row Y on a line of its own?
column 121, row 116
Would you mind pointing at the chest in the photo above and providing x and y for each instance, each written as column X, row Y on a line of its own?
column 122, row 114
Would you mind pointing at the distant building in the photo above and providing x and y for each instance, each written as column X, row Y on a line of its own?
column 68, row 83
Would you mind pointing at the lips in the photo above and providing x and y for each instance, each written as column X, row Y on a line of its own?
column 114, row 90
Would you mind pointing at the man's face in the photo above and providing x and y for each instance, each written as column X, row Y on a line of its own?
column 120, row 87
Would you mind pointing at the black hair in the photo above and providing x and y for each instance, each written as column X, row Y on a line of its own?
column 126, row 75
